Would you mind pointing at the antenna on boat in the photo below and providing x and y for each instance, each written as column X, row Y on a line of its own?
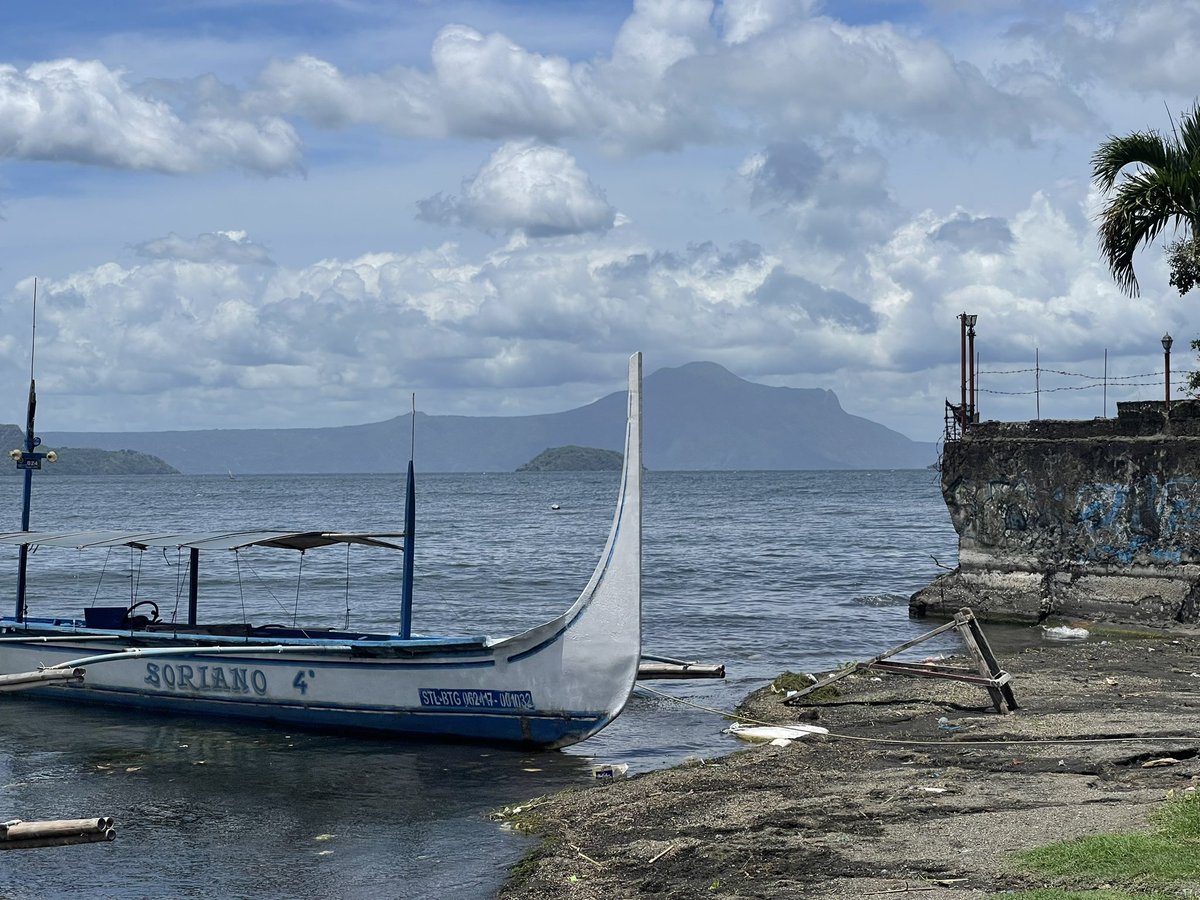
column 28, row 460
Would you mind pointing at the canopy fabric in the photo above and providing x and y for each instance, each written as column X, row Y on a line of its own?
column 199, row 540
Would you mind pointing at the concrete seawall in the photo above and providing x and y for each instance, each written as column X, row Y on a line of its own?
column 1096, row 520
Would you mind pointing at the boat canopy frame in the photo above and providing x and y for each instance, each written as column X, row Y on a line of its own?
column 200, row 540
column 195, row 541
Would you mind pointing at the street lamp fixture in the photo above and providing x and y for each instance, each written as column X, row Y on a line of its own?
column 972, row 408
column 1166, row 342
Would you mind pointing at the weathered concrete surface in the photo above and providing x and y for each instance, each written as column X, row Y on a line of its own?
column 1095, row 520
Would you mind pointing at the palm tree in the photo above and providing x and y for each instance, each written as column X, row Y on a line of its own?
column 1164, row 188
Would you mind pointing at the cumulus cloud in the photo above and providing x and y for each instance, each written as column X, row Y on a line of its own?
column 834, row 195
column 222, row 246
column 681, row 71
column 83, row 112
column 1150, row 46
column 356, row 331
column 1048, row 291
column 821, row 305
column 981, row 234
column 338, row 339
column 526, row 187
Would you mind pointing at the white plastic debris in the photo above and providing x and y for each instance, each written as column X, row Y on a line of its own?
column 774, row 732
column 781, row 742
column 1065, row 633
column 610, row 772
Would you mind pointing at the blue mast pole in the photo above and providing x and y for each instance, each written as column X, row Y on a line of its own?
column 410, row 527
column 410, row 530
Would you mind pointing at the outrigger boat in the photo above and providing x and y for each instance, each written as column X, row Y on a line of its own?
column 551, row 686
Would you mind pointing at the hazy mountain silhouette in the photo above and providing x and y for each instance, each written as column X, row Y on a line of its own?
column 698, row 416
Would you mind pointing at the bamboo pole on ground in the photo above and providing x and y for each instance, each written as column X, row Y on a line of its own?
column 18, row 835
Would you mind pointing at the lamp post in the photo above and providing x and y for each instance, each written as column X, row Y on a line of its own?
column 962, row 342
column 1166, row 342
column 971, row 320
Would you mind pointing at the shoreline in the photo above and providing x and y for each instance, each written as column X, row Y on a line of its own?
column 940, row 810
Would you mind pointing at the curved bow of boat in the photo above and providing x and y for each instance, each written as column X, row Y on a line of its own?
column 591, row 652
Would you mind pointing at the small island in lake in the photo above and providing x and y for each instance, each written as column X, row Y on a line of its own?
column 86, row 460
column 574, row 459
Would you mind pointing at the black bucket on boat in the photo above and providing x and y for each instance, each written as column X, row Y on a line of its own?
column 104, row 616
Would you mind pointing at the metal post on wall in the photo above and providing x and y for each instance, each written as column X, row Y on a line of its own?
column 1104, row 408
column 974, row 414
column 1166, row 342
column 1037, row 383
column 962, row 340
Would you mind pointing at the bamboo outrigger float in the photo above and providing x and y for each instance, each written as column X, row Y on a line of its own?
column 553, row 685
column 19, row 835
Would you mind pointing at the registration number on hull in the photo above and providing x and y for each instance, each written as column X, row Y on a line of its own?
column 475, row 699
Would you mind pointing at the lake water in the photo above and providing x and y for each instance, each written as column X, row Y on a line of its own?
column 761, row 571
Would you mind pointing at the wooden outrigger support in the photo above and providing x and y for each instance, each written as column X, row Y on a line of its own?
column 987, row 672
column 661, row 667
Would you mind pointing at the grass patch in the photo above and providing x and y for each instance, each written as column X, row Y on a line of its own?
column 796, row 681
column 1167, row 854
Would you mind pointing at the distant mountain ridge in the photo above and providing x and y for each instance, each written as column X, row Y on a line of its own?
column 698, row 416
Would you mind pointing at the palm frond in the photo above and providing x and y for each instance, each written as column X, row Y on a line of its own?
column 1146, row 149
column 1139, row 211
column 1189, row 133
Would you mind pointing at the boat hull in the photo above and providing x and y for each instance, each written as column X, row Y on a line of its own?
column 470, row 701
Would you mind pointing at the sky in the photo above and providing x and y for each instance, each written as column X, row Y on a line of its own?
column 293, row 214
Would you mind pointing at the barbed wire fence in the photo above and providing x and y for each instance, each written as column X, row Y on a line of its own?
column 1180, row 379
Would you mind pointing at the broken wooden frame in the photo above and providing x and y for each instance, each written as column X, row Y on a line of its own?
column 986, row 673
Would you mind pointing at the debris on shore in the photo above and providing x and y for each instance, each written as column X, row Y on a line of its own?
column 920, row 785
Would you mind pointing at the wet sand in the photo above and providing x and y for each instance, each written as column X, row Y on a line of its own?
column 847, row 817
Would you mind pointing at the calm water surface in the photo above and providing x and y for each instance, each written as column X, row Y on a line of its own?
column 761, row 571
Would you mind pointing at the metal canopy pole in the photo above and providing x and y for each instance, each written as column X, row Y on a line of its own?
column 193, row 584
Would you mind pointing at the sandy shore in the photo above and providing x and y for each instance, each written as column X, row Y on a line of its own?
column 845, row 817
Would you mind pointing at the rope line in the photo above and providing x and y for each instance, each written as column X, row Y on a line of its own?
column 927, row 743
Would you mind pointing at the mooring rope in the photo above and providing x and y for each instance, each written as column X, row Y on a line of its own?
column 924, row 743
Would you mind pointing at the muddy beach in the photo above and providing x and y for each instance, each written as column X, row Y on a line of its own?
column 938, row 812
